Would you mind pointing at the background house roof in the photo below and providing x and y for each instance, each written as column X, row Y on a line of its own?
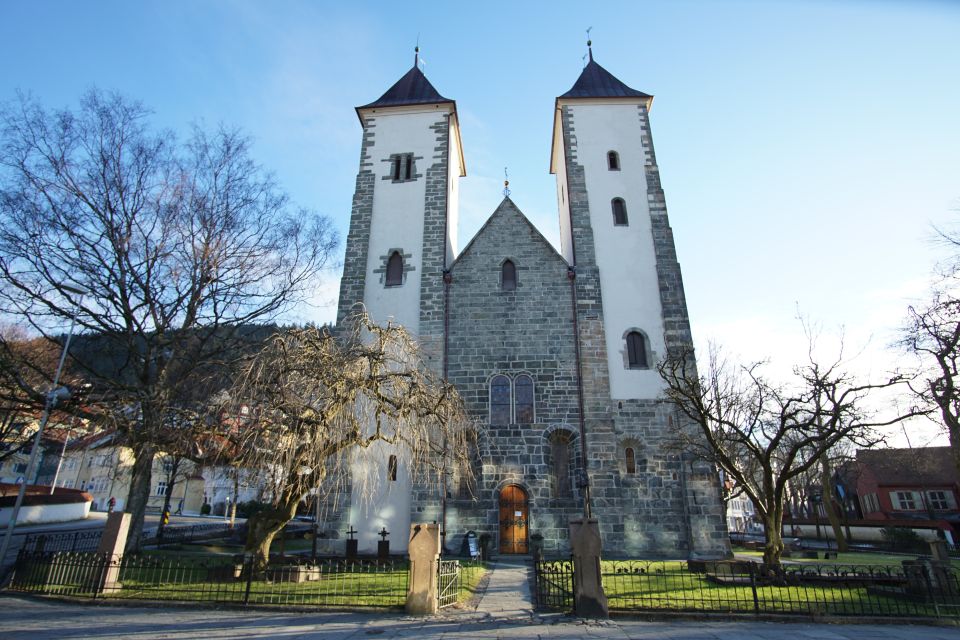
column 923, row 465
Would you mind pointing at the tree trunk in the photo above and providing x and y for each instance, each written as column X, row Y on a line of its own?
column 139, row 493
column 262, row 527
column 828, row 506
column 773, row 537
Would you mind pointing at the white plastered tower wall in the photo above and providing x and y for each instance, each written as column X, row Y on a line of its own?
column 398, row 214
column 625, row 254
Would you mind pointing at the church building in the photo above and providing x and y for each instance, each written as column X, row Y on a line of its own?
column 555, row 353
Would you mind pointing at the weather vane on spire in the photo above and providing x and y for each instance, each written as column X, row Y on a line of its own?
column 589, row 44
column 417, row 60
column 506, row 184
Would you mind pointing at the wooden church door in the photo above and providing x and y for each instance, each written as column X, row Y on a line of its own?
column 514, row 520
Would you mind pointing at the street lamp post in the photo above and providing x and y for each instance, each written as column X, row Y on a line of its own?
column 54, row 397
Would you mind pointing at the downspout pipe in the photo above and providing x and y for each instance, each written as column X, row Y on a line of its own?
column 584, row 481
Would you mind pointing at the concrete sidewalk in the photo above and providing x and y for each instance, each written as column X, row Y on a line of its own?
column 35, row 619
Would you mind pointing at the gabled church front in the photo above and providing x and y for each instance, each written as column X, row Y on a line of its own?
column 554, row 352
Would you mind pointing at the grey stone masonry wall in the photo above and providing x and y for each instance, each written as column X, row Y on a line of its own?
column 358, row 237
column 601, row 441
column 425, row 501
column 524, row 331
column 707, row 527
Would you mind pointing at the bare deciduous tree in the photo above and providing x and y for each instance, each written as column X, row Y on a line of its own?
column 311, row 402
column 762, row 434
column 174, row 245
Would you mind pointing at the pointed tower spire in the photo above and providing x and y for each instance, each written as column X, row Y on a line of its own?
column 589, row 44
column 416, row 56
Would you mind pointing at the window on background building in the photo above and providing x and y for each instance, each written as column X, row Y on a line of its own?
column 940, row 500
column 161, row 488
column 500, row 400
column 394, row 270
column 508, row 276
column 619, row 211
column 630, row 457
column 637, row 350
column 20, row 467
column 392, row 468
column 613, row 161
column 523, row 399
column 903, row 500
column 560, row 458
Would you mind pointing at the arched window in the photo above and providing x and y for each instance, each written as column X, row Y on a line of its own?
column 395, row 270
column 619, row 211
column 637, row 350
column 392, row 468
column 560, row 467
column 500, row 400
column 508, row 273
column 630, row 457
column 523, row 399
column 613, row 161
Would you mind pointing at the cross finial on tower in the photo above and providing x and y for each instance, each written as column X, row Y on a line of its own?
column 506, row 183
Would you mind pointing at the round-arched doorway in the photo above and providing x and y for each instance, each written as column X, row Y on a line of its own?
column 514, row 520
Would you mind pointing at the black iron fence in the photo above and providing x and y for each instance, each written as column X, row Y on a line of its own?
column 62, row 541
column 333, row 582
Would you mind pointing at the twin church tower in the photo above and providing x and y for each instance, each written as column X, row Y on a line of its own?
column 555, row 353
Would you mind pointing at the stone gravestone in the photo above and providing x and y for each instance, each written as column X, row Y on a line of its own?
column 352, row 543
column 589, row 598
column 383, row 545
column 424, row 550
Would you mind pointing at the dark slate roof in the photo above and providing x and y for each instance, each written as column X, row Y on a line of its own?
column 412, row 88
column 597, row 82
column 923, row 465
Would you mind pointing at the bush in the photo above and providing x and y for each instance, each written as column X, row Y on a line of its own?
column 251, row 507
column 903, row 539
column 205, row 509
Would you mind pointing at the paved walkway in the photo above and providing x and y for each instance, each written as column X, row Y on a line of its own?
column 507, row 596
column 34, row 619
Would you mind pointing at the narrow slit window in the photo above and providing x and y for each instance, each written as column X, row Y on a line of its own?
column 619, row 211
column 392, row 468
column 613, row 161
column 395, row 174
column 637, row 350
column 500, row 400
column 395, row 270
column 631, row 460
column 509, row 276
column 560, row 452
column 408, row 167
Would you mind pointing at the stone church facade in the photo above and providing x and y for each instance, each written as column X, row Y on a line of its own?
column 554, row 352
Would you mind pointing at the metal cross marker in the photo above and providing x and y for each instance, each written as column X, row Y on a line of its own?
column 384, row 533
column 352, row 532
column 506, row 184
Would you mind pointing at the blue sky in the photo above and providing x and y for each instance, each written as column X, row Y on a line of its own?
column 805, row 147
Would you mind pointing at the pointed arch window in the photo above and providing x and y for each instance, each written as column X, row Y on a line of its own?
column 394, row 270
column 523, row 403
column 508, row 276
column 500, row 400
column 613, row 161
column 392, row 468
column 619, row 211
column 630, row 458
column 637, row 351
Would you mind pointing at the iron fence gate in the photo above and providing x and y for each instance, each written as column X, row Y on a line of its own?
column 554, row 583
column 448, row 582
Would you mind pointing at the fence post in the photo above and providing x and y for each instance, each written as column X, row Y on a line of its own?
column 424, row 550
column 250, row 561
column 589, row 599
column 753, row 588
column 112, row 543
